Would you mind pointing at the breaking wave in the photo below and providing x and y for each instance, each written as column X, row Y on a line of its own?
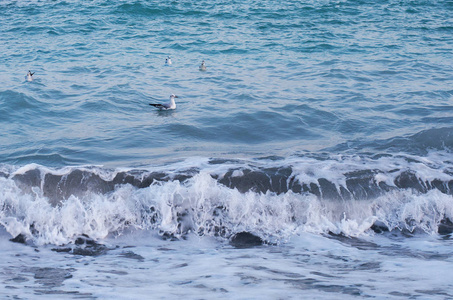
column 271, row 198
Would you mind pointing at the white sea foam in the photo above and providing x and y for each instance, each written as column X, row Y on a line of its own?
column 202, row 205
column 308, row 264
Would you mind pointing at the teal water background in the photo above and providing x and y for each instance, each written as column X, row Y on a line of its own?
column 283, row 78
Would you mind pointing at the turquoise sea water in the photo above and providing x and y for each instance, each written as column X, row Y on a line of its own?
column 322, row 129
column 282, row 78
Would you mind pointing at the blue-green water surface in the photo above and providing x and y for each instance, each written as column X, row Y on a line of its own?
column 282, row 77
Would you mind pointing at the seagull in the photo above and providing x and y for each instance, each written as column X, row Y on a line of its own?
column 166, row 106
column 29, row 76
column 168, row 61
column 203, row 66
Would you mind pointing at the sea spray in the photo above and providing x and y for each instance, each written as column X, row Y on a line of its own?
column 272, row 199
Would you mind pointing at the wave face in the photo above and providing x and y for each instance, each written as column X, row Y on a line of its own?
column 272, row 198
column 319, row 116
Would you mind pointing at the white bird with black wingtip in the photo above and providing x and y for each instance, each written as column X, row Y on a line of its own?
column 29, row 76
column 203, row 66
column 166, row 106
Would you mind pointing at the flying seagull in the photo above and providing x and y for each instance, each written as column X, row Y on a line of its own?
column 168, row 60
column 166, row 106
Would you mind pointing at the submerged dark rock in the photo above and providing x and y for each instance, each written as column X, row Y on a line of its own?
column 379, row 227
column 244, row 239
column 85, row 246
column 445, row 227
column 23, row 239
column 132, row 255
column 20, row 238
column 50, row 277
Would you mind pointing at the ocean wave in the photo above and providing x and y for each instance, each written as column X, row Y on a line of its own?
column 421, row 143
column 271, row 198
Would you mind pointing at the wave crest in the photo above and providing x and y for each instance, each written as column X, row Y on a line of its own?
column 272, row 199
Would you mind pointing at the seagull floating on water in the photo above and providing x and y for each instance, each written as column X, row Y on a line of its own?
column 168, row 60
column 166, row 106
column 29, row 76
column 203, row 66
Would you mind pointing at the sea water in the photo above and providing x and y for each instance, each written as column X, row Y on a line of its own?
column 312, row 159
